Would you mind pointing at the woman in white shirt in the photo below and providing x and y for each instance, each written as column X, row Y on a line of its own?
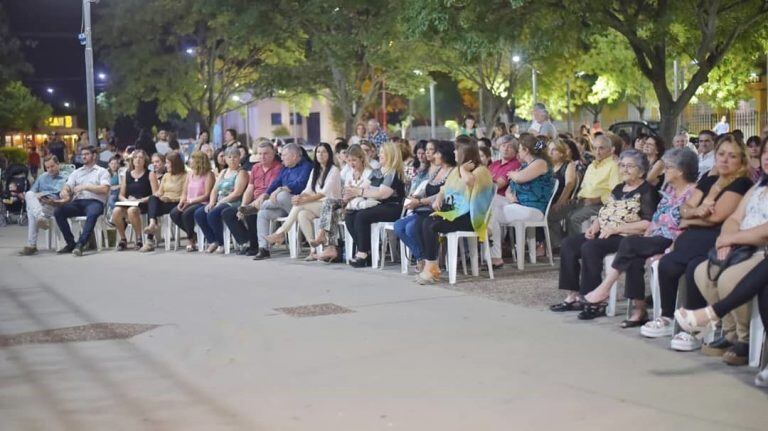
column 324, row 183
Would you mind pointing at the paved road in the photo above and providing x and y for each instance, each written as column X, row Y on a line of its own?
column 406, row 357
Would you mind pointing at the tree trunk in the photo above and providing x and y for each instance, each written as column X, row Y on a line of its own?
column 668, row 127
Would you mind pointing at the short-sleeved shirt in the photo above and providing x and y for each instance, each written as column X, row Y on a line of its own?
column 95, row 175
column 601, row 177
column 391, row 180
column 261, row 179
column 740, row 185
column 500, row 169
column 629, row 207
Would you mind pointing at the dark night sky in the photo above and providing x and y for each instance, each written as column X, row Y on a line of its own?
column 49, row 30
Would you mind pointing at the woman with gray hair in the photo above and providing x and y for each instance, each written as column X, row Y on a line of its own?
column 681, row 167
column 628, row 211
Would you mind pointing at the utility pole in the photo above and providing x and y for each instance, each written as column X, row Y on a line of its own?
column 568, row 104
column 90, row 92
column 533, row 83
column 432, row 109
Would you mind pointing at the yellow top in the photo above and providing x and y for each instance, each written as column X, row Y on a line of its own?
column 601, row 177
column 172, row 185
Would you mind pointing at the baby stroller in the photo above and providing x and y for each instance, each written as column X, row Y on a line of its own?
column 12, row 196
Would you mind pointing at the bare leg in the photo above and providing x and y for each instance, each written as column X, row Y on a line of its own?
column 134, row 217
column 602, row 291
column 118, row 219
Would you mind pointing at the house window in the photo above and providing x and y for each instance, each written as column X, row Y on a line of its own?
column 277, row 118
column 298, row 118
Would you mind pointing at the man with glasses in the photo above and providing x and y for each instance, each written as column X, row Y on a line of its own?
column 601, row 177
column 706, row 152
column 85, row 192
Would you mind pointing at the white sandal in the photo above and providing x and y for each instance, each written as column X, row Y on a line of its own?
column 688, row 322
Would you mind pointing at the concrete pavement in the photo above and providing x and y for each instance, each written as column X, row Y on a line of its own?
column 406, row 357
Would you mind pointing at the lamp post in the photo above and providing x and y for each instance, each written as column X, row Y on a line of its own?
column 89, row 85
column 432, row 109
column 516, row 59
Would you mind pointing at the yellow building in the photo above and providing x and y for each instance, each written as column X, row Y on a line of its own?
column 64, row 125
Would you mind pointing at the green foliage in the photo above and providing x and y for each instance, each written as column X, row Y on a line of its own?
column 14, row 155
column 280, row 131
column 20, row 109
column 12, row 63
column 232, row 44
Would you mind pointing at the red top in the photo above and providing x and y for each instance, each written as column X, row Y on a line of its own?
column 261, row 179
column 34, row 160
column 500, row 169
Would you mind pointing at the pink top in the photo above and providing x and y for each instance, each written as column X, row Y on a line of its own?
column 195, row 186
column 500, row 169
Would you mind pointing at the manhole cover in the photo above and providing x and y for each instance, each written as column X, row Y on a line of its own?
column 90, row 332
column 314, row 310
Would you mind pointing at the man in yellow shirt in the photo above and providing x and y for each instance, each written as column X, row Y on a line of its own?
column 601, row 177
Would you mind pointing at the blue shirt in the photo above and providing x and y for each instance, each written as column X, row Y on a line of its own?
column 47, row 184
column 295, row 178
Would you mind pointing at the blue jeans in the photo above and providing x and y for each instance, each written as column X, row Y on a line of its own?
column 90, row 208
column 211, row 223
column 408, row 229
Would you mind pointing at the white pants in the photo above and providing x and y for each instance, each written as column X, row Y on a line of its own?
column 505, row 213
column 35, row 211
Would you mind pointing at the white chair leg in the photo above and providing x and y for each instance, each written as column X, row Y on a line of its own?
column 487, row 255
column 655, row 289
column 756, row 336
column 293, row 241
column 452, row 255
column 531, row 240
column 473, row 256
column 462, row 255
column 375, row 243
column 227, row 242
column 348, row 246
column 520, row 245
column 200, row 239
column 403, row 259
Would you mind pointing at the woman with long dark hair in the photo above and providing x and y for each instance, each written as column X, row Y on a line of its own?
column 324, row 183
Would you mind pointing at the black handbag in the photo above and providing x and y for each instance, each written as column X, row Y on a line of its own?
column 738, row 254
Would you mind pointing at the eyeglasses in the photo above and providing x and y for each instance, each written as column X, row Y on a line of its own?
column 627, row 166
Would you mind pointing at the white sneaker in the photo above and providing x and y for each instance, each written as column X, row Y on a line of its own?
column 685, row 342
column 657, row 328
column 762, row 378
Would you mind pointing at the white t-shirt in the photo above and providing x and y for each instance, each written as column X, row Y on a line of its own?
column 95, row 175
column 706, row 163
column 162, row 147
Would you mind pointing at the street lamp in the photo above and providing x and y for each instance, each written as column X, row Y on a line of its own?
column 102, row 76
column 190, row 51
column 67, row 104
column 516, row 59
column 49, row 90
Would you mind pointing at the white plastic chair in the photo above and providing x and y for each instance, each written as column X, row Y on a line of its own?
column 453, row 241
column 52, row 234
column 168, row 227
column 292, row 236
column 655, row 288
column 756, row 336
column 383, row 235
column 521, row 228
column 610, row 310
column 76, row 224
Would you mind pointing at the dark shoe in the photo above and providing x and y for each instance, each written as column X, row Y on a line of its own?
column 738, row 354
column 718, row 347
column 592, row 310
column 495, row 266
column 122, row 245
column 251, row 251
column 243, row 251
column 66, row 249
column 567, row 306
column 78, row 250
column 633, row 323
column 262, row 254
column 361, row 263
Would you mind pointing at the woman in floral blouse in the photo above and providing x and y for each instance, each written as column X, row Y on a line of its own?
column 681, row 168
column 629, row 211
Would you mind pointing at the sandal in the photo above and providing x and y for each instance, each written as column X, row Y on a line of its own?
column 688, row 322
column 574, row 305
column 191, row 248
column 593, row 310
column 633, row 323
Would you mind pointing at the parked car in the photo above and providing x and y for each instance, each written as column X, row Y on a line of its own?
column 635, row 128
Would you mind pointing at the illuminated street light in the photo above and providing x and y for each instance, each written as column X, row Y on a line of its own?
column 190, row 51
column 102, row 76
column 516, row 58
column 66, row 104
column 49, row 90
column 236, row 98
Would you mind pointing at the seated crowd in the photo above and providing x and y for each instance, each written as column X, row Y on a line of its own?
column 700, row 216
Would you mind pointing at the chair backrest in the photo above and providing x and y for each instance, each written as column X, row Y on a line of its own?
column 551, row 198
column 575, row 191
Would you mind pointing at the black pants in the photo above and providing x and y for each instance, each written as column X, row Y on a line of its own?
column 244, row 231
column 359, row 223
column 630, row 258
column 432, row 228
column 157, row 208
column 690, row 249
column 186, row 219
column 755, row 283
column 585, row 275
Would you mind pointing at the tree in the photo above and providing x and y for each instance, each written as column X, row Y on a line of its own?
column 355, row 50
column 192, row 56
column 20, row 109
column 12, row 63
column 660, row 31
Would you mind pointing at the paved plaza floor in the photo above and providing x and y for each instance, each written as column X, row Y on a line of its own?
column 179, row 341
